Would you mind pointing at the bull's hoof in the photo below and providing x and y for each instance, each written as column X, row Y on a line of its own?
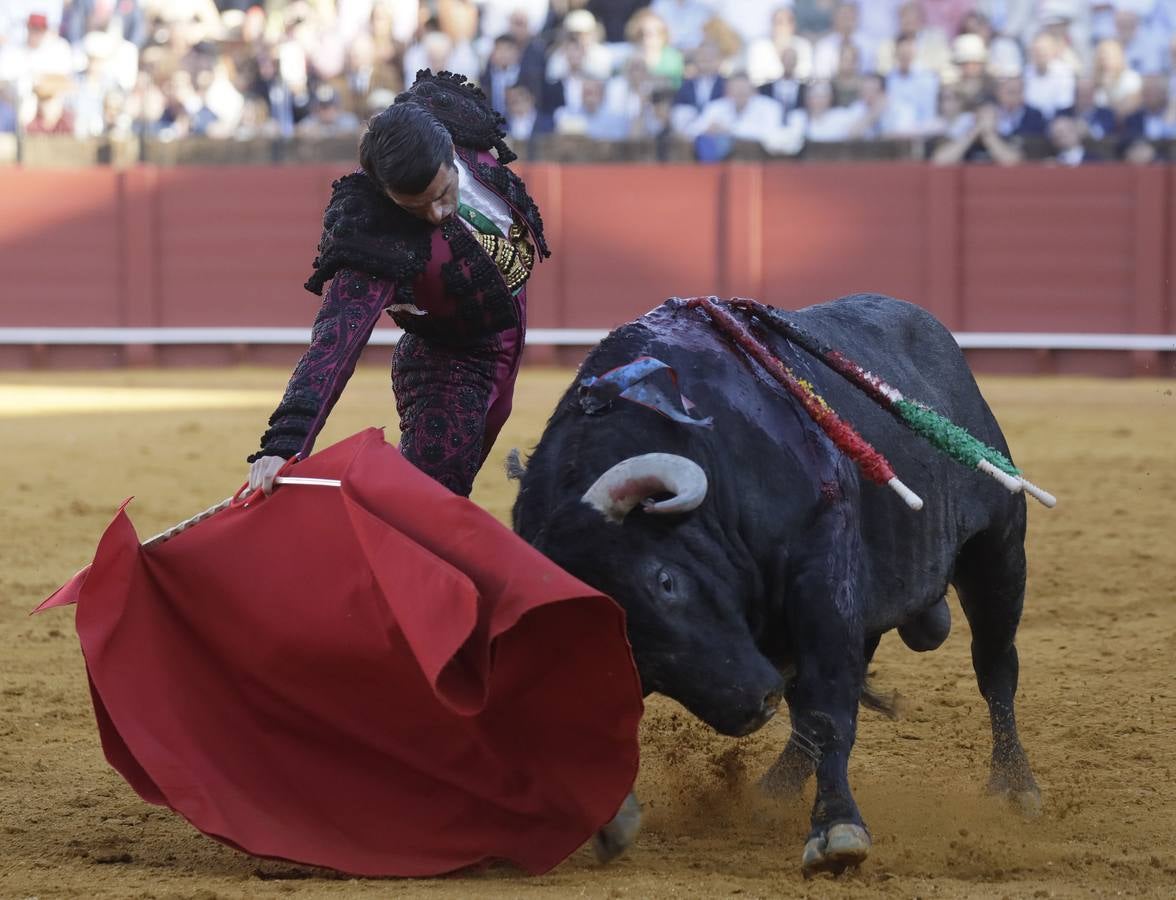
column 616, row 837
column 1026, row 803
column 1022, row 794
column 841, row 847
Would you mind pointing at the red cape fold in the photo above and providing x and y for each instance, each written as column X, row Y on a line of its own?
column 378, row 678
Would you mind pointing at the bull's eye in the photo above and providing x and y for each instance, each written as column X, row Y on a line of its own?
column 666, row 581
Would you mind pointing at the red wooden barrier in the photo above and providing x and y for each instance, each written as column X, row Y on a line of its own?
column 1023, row 249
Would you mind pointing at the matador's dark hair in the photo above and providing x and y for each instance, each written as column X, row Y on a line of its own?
column 404, row 147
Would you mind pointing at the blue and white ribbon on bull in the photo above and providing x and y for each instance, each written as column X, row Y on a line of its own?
column 647, row 381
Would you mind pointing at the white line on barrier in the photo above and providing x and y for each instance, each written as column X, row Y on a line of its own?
column 566, row 337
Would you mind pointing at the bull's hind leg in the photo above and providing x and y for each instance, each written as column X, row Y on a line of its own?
column 990, row 580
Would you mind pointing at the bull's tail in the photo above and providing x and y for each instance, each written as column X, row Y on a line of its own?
column 887, row 704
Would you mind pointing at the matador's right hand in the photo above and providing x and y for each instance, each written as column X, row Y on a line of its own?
column 262, row 472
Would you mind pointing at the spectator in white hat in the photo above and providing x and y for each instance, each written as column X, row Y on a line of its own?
column 120, row 56
column 1005, row 51
column 581, row 27
column 970, row 58
column 1070, row 22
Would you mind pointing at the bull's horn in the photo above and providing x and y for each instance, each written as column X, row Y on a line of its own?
column 635, row 480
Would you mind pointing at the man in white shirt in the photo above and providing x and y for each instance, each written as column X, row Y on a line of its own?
column 765, row 56
column 741, row 113
column 910, row 88
column 1049, row 82
column 819, row 120
column 43, row 52
column 593, row 119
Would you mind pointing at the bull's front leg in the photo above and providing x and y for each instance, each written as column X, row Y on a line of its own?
column 825, row 625
column 798, row 761
column 614, row 838
column 826, row 701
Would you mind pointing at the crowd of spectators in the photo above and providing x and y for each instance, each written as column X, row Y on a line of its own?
column 977, row 79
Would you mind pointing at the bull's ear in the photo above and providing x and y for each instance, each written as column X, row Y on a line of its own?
column 636, row 480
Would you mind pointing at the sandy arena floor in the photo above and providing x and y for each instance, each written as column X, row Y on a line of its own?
column 1097, row 698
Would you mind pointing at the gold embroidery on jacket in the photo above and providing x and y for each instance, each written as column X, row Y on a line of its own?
column 513, row 255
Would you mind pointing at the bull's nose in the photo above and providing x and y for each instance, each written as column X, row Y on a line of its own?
column 768, row 707
column 772, row 701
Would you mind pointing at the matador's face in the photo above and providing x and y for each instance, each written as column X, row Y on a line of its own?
column 436, row 202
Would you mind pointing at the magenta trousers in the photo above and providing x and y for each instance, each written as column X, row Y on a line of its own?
column 453, row 401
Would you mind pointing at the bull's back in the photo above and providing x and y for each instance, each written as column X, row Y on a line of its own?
column 908, row 347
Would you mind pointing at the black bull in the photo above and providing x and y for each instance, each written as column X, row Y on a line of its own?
column 780, row 583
